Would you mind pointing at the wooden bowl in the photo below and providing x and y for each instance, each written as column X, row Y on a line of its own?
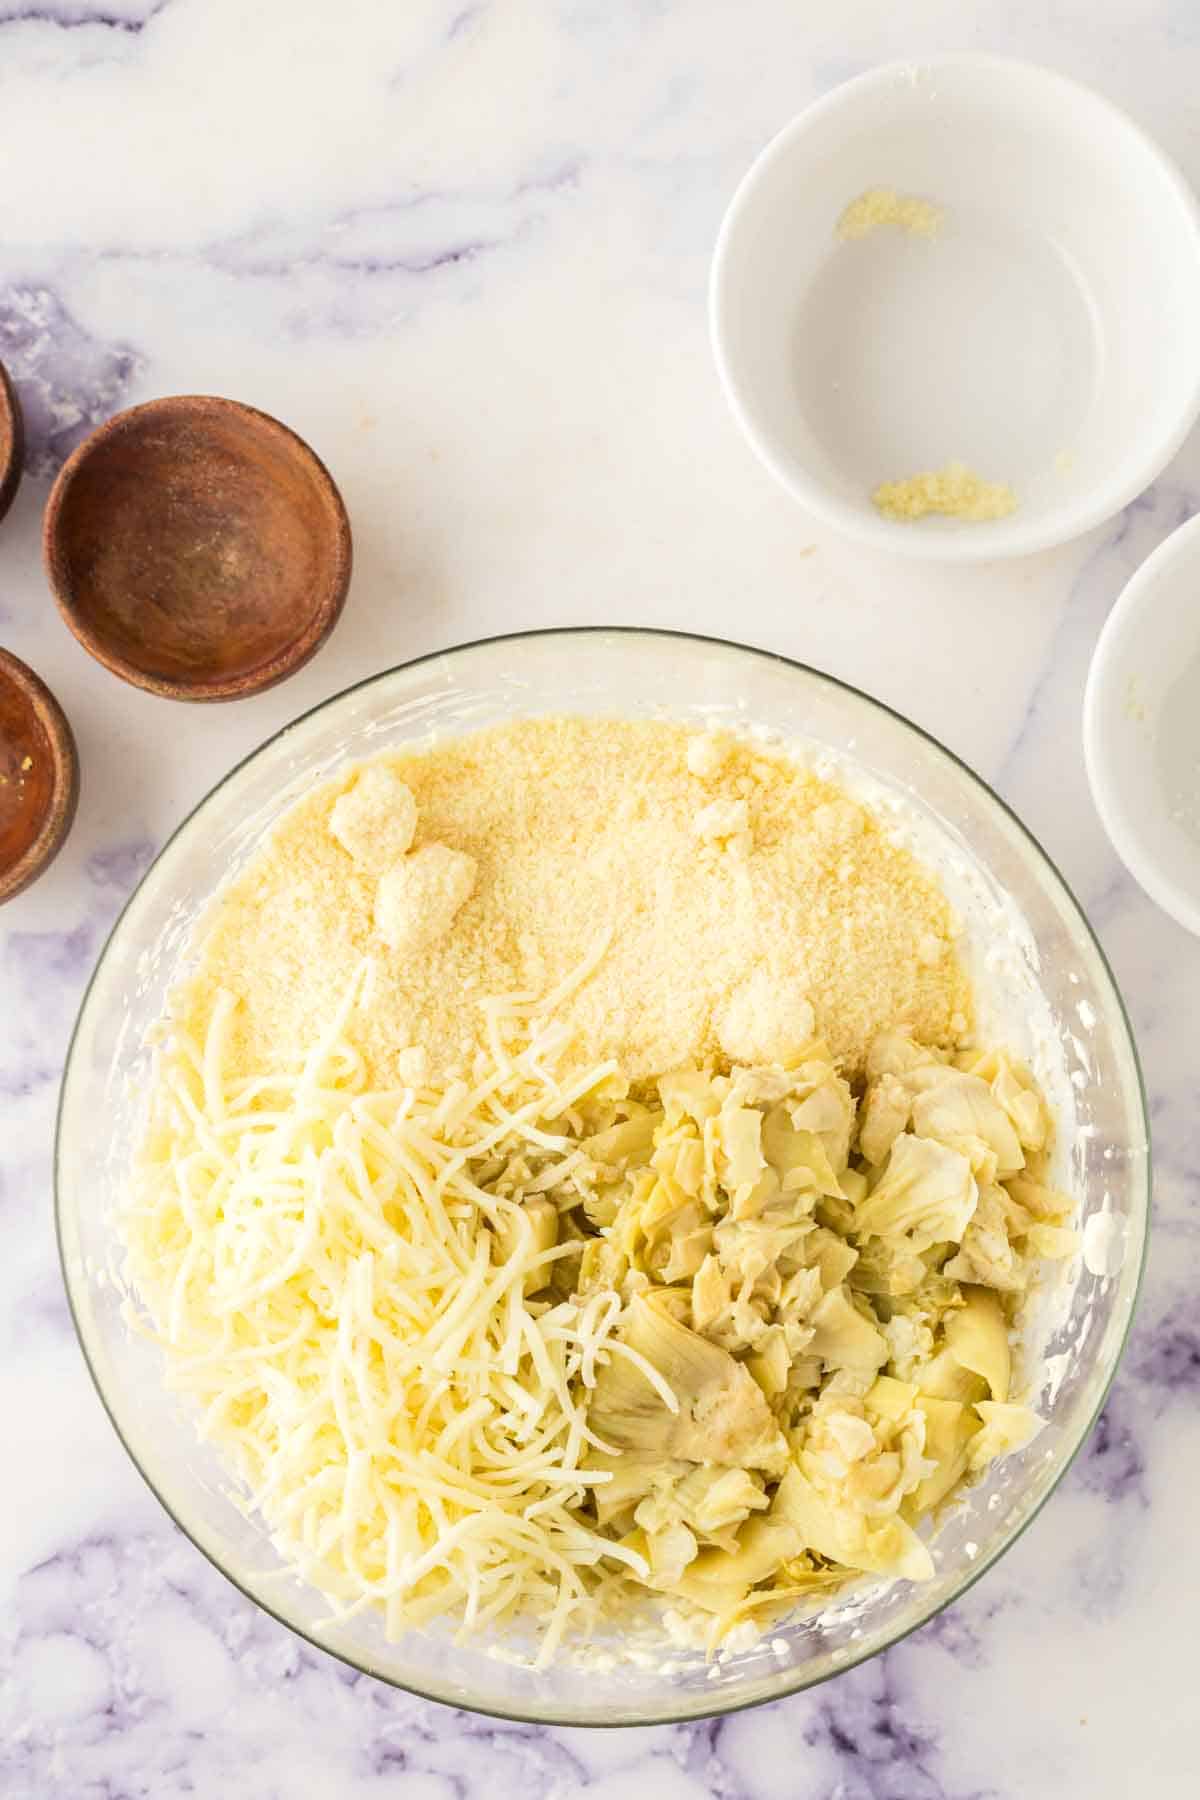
column 197, row 548
column 12, row 442
column 39, row 776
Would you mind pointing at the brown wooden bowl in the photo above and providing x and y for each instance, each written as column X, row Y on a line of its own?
column 197, row 548
column 39, row 776
column 12, row 442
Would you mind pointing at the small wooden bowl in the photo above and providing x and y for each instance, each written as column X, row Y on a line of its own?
column 12, row 442
column 39, row 776
column 197, row 548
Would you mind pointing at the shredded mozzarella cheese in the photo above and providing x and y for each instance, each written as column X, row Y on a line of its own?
column 320, row 1268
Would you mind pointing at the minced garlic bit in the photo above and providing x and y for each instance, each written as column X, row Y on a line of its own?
column 955, row 491
column 884, row 206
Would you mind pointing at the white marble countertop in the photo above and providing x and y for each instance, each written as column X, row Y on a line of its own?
column 462, row 248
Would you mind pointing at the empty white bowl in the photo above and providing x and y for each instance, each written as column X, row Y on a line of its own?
column 1044, row 335
column 1141, row 726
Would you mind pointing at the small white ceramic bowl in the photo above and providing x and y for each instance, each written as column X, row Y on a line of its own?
column 1141, row 726
column 1045, row 335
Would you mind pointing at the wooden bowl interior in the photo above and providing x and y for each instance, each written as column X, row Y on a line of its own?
column 198, row 546
column 28, row 774
column 11, row 442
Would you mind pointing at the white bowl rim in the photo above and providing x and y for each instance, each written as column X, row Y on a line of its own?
column 1004, row 538
column 1139, row 597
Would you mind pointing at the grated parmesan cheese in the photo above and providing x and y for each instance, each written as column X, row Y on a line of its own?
column 577, row 828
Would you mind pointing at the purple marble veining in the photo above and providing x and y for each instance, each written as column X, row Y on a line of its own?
column 116, row 869
column 41, row 977
column 133, row 16
column 416, row 235
column 1166, row 1353
column 102, row 1604
column 1112, row 1462
column 69, row 381
column 954, row 1632
column 885, row 1750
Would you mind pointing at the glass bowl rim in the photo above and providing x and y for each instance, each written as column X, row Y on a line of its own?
column 787, row 1689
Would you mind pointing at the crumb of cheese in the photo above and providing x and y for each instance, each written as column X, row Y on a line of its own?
column 884, row 206
column 955, row 491
column 375, row 820
column 765, row 1019
column 705, row 755
column 415, row 902
column 722, row 819
column 413, row 1065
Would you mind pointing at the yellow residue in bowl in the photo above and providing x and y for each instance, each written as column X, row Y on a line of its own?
column 884, row 206
column 955, row 491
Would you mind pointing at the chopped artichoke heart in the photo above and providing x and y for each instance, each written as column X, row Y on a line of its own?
column 630, row 1479
column 626, row 1143
column 986, row 1255
column 771, row 1363
column 790, row 1151
column 887, row 1547
column 602, row 1268
column 961, row 1109
column 843, row 1338
column 977, row 1337
column 720, row 1414
column 1006, row 1429
column 943, row 1377
column 668, row 1550
column 525, row 1234
column 1044, row 1204
column 831, row 1255
column 890, row 1399
column 1054, row 1242
column 949, row 1429
column 740, row 1133
column 884, row 1267
column 688, row 1094
column 1014, row 1090
column 855, row 1187
column 884, row 1116
column 927, row 1194
column 686, row 1251
column 718, row 1580
column 828, row 1112
column 771, row 1247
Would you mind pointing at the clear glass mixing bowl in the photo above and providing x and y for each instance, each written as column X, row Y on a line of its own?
column 634, row 674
